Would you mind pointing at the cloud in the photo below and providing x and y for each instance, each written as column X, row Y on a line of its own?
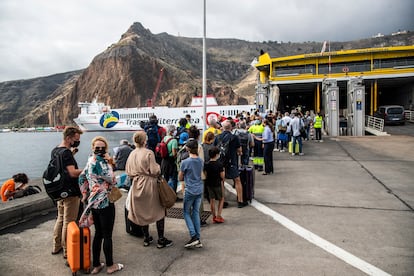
column 39, row 38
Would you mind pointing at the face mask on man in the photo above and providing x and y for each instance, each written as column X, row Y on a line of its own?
column 75, row 144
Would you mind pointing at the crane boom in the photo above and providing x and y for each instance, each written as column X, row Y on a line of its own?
column 151, row 102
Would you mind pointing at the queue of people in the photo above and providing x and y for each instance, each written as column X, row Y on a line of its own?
column 199, row 167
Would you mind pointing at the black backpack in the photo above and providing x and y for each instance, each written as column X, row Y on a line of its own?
column 244, row 139
column 30, row 190
column 223, row 142
column 54, row 177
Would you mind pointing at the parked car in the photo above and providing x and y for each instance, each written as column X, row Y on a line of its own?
column 392, row 114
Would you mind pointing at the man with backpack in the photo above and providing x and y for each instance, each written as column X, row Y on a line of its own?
column 230, row 149
column 155, row 134
column 68, row 208
column 169, row 155
column 246, row 142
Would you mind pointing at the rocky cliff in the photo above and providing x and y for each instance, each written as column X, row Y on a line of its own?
column 126, row 73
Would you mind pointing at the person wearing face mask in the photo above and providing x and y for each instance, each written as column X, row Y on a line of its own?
column 67, row 208
column 96, row 181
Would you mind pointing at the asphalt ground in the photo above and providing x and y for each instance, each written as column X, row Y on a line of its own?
column 344, row 208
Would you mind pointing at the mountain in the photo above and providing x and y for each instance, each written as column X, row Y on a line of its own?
column 126, row 73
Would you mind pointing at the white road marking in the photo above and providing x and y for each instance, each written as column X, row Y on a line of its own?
column 315, row 239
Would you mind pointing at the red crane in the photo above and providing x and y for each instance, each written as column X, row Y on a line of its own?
column 151, row 102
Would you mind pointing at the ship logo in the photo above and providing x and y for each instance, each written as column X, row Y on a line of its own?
column 109, row 119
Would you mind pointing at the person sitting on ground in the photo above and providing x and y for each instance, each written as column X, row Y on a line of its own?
column 214, row 182
column 11, row 188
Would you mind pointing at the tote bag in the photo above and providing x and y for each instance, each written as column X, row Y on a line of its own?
column 167, row 194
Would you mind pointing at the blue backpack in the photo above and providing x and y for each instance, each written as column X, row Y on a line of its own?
column 153, row 136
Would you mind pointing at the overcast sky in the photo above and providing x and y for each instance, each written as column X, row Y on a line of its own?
column 44, row 37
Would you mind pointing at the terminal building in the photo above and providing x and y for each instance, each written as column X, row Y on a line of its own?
column 346, row 84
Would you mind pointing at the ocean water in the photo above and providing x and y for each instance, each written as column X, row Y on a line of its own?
column 29, row 152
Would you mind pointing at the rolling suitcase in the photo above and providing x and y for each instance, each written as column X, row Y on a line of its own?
column 78, row 248
column 247, row 181
column 291, row 147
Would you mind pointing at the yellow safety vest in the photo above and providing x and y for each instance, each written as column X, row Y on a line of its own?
column 318, row 122
column 257, row 130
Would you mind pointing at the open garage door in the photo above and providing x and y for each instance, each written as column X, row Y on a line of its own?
column 292, row 96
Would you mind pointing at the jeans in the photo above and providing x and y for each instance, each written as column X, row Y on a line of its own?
column 173, row 181
column 299, row 139
column 191, row 210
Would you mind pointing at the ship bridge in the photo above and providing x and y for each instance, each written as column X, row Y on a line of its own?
column 338, row 84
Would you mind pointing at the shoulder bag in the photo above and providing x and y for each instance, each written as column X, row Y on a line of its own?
column 167, row 194
column 114, row 194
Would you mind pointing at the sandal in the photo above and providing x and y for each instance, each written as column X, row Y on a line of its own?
column 97, row 269
column 119, row 268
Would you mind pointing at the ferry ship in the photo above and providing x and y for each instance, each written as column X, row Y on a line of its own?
column 95, row 116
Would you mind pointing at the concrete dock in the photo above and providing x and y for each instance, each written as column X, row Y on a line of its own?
column 344, row 208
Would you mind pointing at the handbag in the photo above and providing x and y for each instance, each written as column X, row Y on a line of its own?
column 167, row 194
column 114, row 194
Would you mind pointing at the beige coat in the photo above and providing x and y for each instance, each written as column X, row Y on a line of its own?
column 145, row 207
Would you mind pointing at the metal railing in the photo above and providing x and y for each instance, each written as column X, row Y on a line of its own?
column 409, row 115
column 374, row 123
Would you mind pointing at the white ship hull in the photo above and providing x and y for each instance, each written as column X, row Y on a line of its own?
column 98, row 117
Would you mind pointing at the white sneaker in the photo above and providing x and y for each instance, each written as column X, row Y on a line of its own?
column 320, row 141
column 293, row 154
column 193, row 242
column 275, row 149
column 301, row 154
column 198, row 245
column 282, row 150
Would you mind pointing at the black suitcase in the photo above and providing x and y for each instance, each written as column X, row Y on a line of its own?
column 247, row 181
column 132, row 228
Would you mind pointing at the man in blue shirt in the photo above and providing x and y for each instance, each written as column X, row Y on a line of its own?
column 190, row 173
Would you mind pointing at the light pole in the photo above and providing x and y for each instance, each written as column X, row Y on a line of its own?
column 204, row 69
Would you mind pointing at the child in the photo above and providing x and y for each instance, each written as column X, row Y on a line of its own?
column 190, row 173
column 215, row 183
